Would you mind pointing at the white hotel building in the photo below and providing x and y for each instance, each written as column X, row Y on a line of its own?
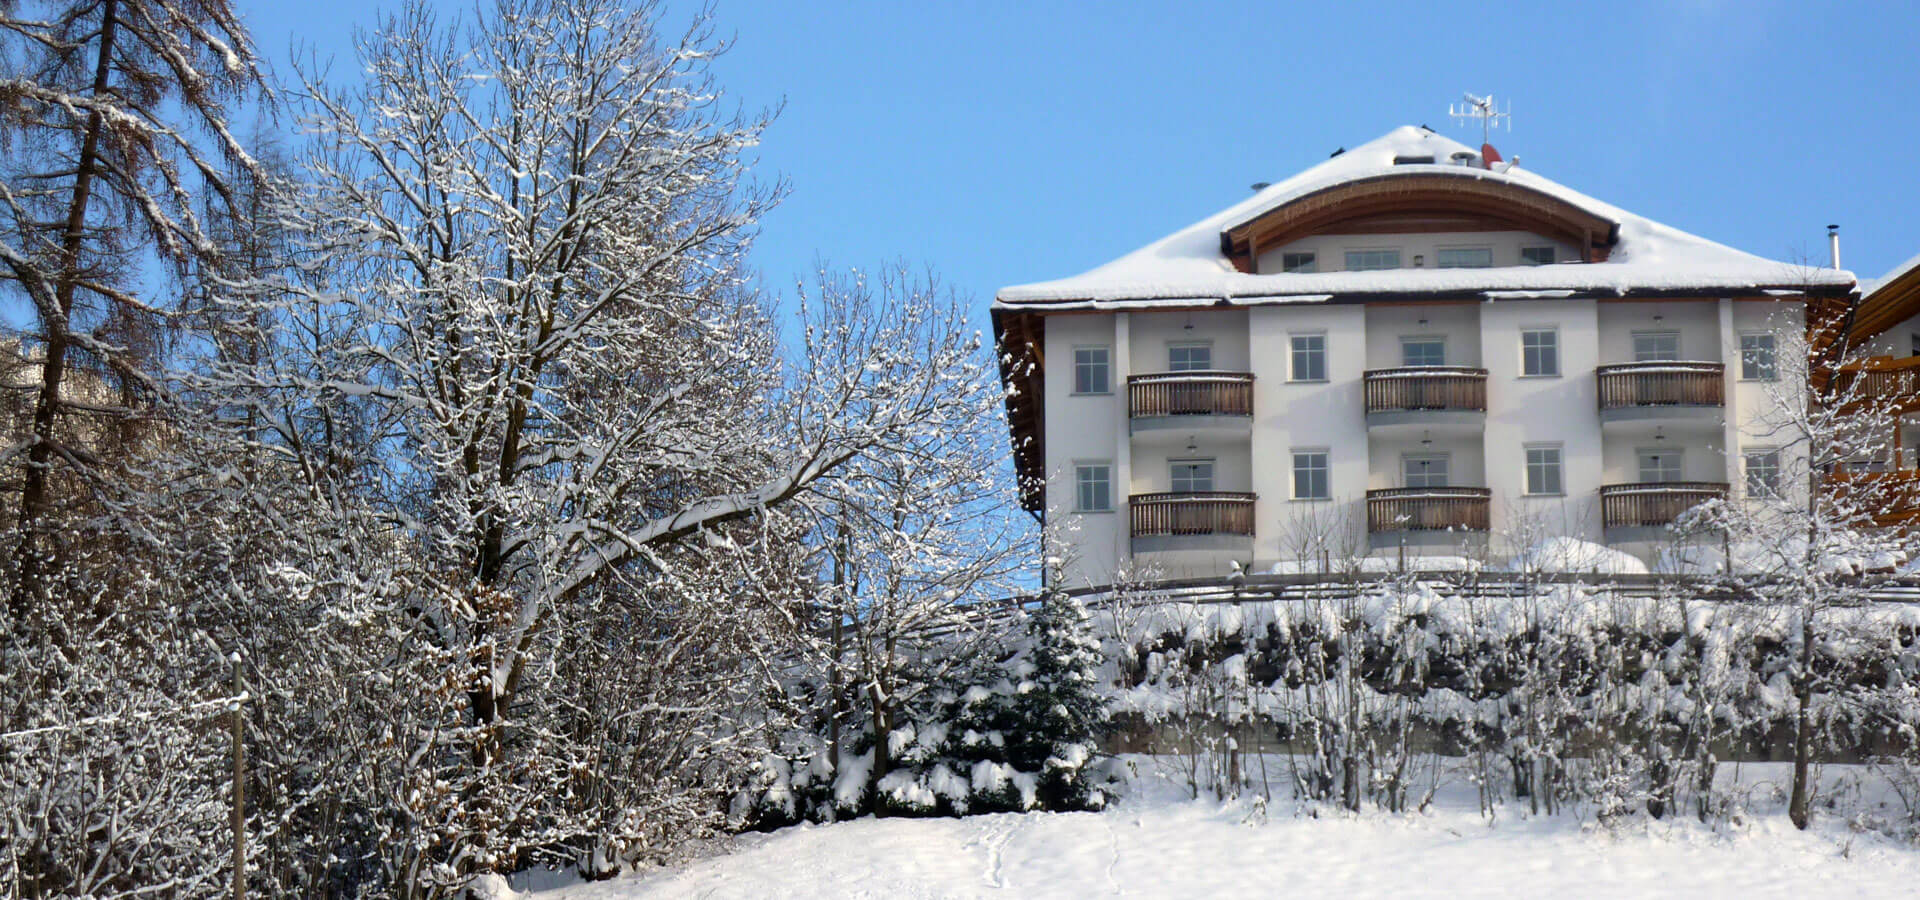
column 1408, row 350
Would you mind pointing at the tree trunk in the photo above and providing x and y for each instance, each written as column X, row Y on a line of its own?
column 1802, row 725
column 34, row 491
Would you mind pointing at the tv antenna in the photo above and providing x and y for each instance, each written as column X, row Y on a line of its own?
column 1489, row 113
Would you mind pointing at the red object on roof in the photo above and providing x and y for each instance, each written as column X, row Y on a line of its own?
column 1489, row 156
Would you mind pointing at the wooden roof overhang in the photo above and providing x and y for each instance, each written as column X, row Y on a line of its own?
column 1020, row 342
column 1890, row 304
column 1425, row 201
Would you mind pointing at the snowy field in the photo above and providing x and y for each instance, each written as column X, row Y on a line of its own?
column 1157, row 843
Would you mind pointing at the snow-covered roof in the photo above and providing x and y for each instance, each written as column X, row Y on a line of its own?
column 1870, row 285
column 1189, row 267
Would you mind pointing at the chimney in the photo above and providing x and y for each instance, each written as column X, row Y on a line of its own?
column 1833, row 243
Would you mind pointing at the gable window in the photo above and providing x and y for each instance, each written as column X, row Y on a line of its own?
column 1763, row 472
column 1192, row 476
column 1659, row 465
column 1464, row 258
column 1543, row 470
column 1189, row 357
column 1093, row 487
column 1914, row 347
column 1309, row 358
column 1539, row 351
column 1756, row 358
column 1298, row 262
column 1310, row 481
column 1424, row 470
column 1656, row 346
column 1369, row 260
column 1423, row 351
column 1091, row 370
column 1536, row 256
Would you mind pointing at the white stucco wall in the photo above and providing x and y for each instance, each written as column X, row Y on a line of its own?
column 1523, row 410
column 1292, row 415
column 1456, row 323
column 1697, row 322
column 1224, row 330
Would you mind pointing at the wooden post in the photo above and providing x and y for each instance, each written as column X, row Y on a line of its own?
column 239, row 787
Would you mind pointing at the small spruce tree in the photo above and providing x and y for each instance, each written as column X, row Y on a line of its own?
column 1058, row 708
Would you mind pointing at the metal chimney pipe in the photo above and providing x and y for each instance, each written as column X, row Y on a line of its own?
column 1833, row 243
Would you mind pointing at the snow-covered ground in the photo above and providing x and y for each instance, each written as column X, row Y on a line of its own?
column 1157, row 843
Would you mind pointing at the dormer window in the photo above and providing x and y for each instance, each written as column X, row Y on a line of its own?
column 1371, row 260
column 1465, row 258
column 1536, row 256
column 1298, row 262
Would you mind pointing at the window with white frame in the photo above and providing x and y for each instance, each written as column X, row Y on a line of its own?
column 1543, row 470
column 1763, row 472
column 1464, row 258
column 1298, row 262
column 1540, row 351
column 1092, row 370
column 1756, row 357
column 1310, row 475
column 1418, row 470
column 1369, row 260
column 1189, row 357
column 1309, row 357
column 1093, row 487
column 1656, row 346
column 1423, row 351
column 1658, row 464
column 1192, row 475
column 1536, row 256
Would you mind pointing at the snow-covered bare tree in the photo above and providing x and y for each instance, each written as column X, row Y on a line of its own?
column 114, row 115
column 562, row 468
column 1808, row 530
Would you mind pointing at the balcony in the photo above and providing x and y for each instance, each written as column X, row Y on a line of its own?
column 1880, row 493
column 1642, row 512
column 1426, row 396
column 1880, row 383
column 1201, row 520
column 1423, row 516
column 1662, row 392
column 1191, row 402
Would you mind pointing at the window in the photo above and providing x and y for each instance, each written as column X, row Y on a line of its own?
column 1368, row 260
column 1756, row 357
column 1543, row 470
column 1536, row 256
column 1091, row 370
column 1424, row 470
column 1309, row 357
column 1310, row 475
column 1540, row 352
column 1192, row 475
column 1423, row 351
column 1189, row 357
column 1659, row 464
column 1656, row 346
column 1298, row 262
column 1763, row 472
column 1464, row 258
column 1093, row 490
column 1914, row 347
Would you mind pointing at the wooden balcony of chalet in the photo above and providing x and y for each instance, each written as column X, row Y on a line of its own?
column 1425, row 396
column 1655, row 391
column 1191, row 401
column 1196, row 520
column 1642, row 511
column 1427, row 515
column 1892, row 381
column 1884, row 494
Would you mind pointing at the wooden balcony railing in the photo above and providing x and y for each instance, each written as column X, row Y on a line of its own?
column 1662, row 384
column 1885, row 382
column 1426, row 387
column 1879, row 493
column 1190, row 394
column 1429, row 509
column 1199, row 512
column 1654, row 504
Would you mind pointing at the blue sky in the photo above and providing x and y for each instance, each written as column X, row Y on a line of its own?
column 1002, row 143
